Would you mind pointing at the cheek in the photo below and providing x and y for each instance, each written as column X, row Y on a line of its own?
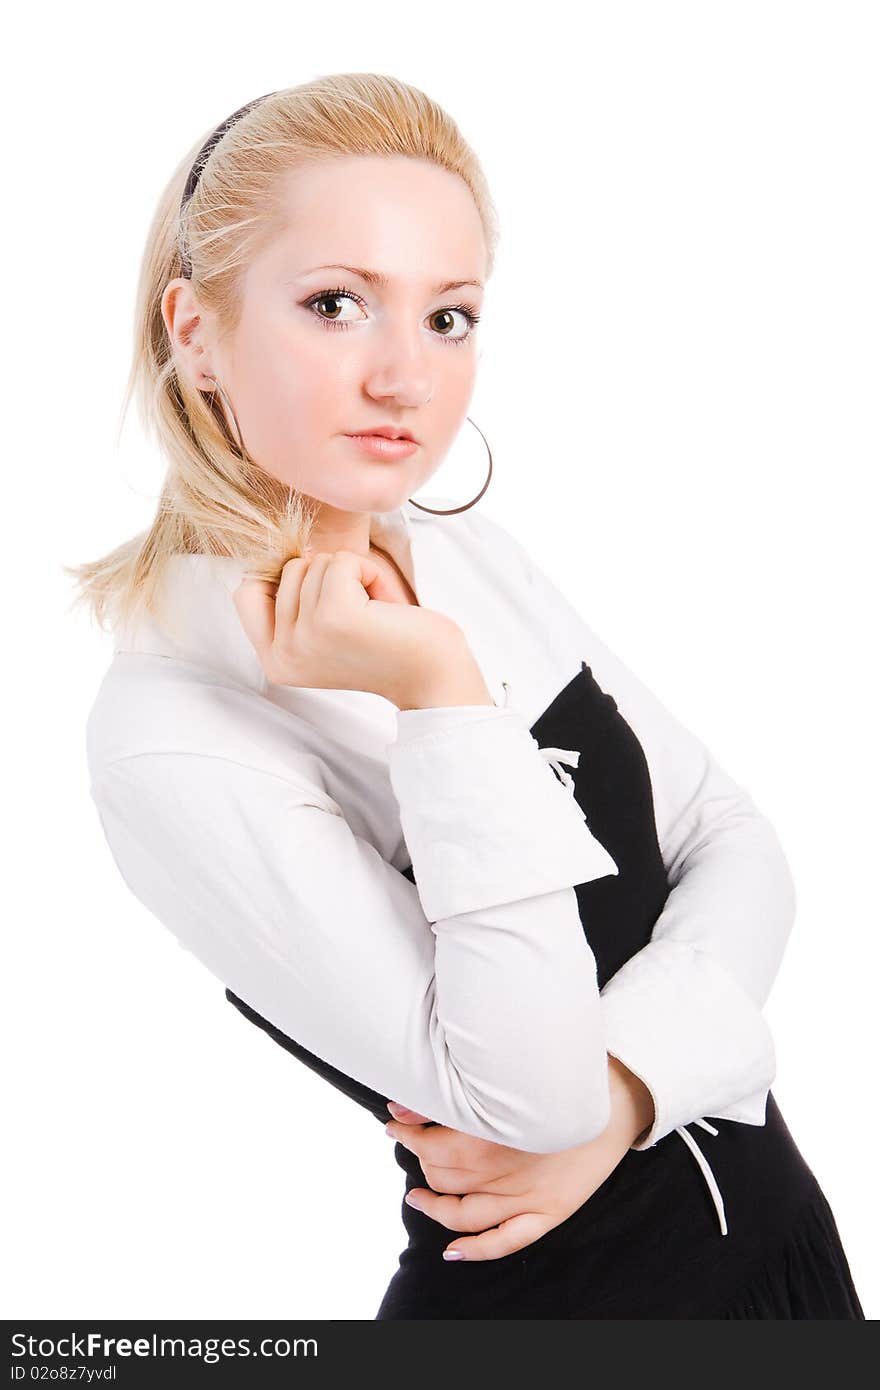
column 453, row 390
column 286, row 389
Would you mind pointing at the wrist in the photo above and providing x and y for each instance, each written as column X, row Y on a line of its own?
column 459, row 682
column 632, row 1105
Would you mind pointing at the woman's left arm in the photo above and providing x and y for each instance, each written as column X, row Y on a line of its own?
column 684, row 1013
column 684, row 1030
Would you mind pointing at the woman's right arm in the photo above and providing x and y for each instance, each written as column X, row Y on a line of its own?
column 471, row 995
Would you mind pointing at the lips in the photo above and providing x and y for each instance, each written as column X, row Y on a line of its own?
column 386, row 432
column 380, row 447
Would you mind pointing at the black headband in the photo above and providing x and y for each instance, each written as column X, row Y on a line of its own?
column 204, row 153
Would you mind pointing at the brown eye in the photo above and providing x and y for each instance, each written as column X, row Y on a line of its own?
column 444, row 314
column 329, row 297
column 470, row 316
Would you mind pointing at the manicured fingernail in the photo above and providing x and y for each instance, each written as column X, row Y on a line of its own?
column 389, row 1131
column 453, row 1255
column 413, row 1201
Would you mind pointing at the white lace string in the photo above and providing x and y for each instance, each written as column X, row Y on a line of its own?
column 705, row 1169
column 557, row 756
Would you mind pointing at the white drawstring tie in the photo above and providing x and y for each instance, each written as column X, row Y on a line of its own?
column 555, row 757
column 705, row 1169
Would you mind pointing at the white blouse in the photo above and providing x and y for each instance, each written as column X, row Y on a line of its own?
column 268, row 826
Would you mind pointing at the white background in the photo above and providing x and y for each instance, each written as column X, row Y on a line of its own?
column 679, row 384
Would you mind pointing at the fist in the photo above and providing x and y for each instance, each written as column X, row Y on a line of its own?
column 331, row 624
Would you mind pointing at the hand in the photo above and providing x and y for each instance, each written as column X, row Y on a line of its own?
column 326, row 625
column 510, row 1196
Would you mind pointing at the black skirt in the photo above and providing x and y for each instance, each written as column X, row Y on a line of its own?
column 647, row 1243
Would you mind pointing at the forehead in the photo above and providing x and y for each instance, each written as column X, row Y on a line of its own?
column 403, row 217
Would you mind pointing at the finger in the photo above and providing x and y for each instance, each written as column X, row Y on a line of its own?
column 351, row 565
column 473, row 1212
column 287, row 597
column 446, row 1148
column 441, row 1178
column 310, row 590
column 254, row 601
column 512, row 1235
column 407, row 1116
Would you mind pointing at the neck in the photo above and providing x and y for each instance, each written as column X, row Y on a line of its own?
column 338, row 530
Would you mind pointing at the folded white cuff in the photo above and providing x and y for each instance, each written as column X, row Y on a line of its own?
column 485, row 818
column 677, row 1019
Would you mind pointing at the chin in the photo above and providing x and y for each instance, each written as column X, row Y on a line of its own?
column 387, row 494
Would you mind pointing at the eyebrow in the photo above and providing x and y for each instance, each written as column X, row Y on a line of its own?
column 375, row 277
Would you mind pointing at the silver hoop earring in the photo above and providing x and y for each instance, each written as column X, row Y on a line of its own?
column 451, row 511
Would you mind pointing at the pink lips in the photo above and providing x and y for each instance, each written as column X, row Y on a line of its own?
column 380, row 447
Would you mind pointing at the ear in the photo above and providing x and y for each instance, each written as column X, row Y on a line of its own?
column 189, row 328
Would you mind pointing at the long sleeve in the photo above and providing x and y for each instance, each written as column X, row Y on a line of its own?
column 432, row 992
column 684, row 1013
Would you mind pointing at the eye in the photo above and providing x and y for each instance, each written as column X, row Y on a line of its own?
column 470, row 316
column 327, row 297
column 319, row 302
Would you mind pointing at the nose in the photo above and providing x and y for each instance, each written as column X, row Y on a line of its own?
column 398, row 370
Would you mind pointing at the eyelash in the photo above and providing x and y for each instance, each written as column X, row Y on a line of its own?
column 341, row 292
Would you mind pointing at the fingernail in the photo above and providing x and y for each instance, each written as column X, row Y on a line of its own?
column 413, row 1201
column 453, row 1255
column 389, row 1131
column 396, row 1108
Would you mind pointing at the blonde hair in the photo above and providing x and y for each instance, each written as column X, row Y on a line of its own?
column 213, row 501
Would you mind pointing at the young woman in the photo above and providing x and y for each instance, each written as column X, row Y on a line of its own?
column 366, row 762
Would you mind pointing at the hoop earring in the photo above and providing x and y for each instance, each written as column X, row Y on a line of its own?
column 451, row 511
column 239, row 443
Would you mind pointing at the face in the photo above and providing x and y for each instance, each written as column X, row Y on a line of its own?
column 321, row 353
